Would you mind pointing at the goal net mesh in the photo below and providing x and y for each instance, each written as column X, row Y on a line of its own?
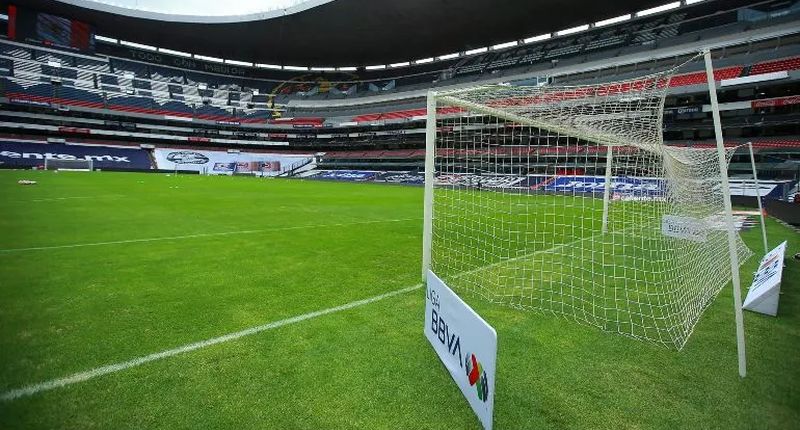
column 523, row 215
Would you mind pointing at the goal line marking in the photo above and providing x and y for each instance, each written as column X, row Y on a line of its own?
column 116, row 367
column 199, row 235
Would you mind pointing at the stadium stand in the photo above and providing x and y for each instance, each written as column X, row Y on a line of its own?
column 376, row 116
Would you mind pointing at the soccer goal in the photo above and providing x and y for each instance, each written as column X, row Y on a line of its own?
column 69, row 165
column 565, row 200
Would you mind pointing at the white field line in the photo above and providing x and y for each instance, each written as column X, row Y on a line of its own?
column 116, row 367
column 55, row 199
column 199, row 235
column 113, row 368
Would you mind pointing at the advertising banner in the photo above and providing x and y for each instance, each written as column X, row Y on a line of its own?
column 27, row 154
column 402, row 178
column 766, row 188
column 683, row 110
column 621, row 187
column 681, row 227
column 465, row 343
column 347, row 175
column 479, row 181
column 766, row 288
column 776, row 102
column 224, row 163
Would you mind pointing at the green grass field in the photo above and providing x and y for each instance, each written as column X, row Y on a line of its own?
column 103, row 268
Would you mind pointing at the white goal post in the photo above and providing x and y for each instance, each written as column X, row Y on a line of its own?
column 69, row 165
column 564, row 200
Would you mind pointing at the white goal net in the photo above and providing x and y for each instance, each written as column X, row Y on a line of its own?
column 71, row 165
column 565, row 201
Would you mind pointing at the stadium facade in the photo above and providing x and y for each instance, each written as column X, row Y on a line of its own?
column 77, row 73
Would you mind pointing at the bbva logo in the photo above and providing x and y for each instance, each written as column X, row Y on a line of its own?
column 477, row 376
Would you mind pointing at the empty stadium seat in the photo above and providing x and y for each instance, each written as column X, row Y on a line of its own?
column 776, row 66
column 698, row 78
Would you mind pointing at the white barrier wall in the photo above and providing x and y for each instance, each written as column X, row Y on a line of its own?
column 225, row 163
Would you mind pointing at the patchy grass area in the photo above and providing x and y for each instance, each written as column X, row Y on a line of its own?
column 102, row 268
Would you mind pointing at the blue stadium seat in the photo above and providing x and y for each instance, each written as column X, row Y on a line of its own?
column 70, row 93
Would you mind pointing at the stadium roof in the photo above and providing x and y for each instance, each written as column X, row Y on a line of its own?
column 345, row 32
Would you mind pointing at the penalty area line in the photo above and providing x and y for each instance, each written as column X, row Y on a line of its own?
column 75, row 378
column 199, row 235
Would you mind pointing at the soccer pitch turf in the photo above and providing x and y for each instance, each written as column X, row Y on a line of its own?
column 105, row 269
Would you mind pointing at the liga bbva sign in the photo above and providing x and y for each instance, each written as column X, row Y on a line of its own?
column 766, row 288
column 465, row 343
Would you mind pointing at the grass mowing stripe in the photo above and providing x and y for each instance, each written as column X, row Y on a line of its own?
column 116, row 367
column 198, row 235
column 112, row 368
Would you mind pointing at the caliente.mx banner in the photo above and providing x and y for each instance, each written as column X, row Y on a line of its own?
column 29, row 154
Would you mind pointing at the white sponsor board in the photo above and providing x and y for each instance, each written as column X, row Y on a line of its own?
column 766, row 288
column 745, row 187
column 681, row 227
column 465, row 343
column 225, row 163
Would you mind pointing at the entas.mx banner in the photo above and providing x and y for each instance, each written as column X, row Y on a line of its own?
column 465, row 343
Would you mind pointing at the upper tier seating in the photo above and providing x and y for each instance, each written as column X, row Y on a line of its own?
column 115, row 98
column 698, row 78
column 776, row 66
column 126, row 85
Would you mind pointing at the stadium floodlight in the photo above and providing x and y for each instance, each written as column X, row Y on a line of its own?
column 424, row 60
column 347, row 69
column 538, row 38
column 658, row 9
column 174, row 52
column 269, row 66
column 239, row 63
column 614, row 20
column 573, row 30
column 448, row 56
column 401, row 64
column 565, row 200
column 295, row 68
column 376, row 67
column 69, row 165
column 505, row 45
column 207, row 58
column 476, row 51
column 137, row 45
column 105, row 39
